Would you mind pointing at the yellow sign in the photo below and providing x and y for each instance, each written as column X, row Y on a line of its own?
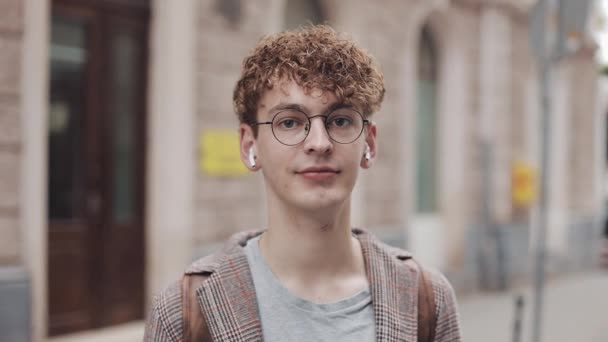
column 523, row 185
column 220, row 154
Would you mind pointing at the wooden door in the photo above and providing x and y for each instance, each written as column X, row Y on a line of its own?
column 96, row 163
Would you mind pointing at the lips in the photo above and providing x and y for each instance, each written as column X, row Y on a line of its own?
column 319, row 169
column 318, row 173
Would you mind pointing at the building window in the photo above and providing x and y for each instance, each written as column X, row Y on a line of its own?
column 426, row 125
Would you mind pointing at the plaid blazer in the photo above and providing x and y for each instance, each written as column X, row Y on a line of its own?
column 228, row 299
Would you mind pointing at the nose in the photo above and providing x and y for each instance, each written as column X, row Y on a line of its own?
column 318, row 140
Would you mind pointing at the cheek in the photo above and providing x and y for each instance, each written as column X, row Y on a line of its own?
column 277, row 163
column 354, row 156
column 350, row 162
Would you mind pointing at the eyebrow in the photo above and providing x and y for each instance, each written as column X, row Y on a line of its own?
column 302, row 108
column 284, row 105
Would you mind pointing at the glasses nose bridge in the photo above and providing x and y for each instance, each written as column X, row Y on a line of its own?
column 323, row 131
column 323, row 118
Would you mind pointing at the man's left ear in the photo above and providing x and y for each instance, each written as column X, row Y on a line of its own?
column 369, row 154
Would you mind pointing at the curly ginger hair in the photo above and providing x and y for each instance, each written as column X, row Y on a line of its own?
column 314, row 57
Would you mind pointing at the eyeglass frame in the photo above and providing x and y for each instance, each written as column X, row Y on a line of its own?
column 326, row 116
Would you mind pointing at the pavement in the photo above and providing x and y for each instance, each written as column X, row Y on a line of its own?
column 575, row 310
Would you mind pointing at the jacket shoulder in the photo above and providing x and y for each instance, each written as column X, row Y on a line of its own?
column 164, row 322
column 381, row 248
column 212, row 262
column 207, row 264
column 446, row 309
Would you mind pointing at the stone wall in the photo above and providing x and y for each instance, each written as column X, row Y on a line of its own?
column 225, row 36
column 11, row 32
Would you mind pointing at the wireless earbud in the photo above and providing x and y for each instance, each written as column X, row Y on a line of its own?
column 252, row 158
column 367, row 154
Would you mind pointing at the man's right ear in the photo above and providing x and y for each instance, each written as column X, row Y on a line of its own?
column 248, row 151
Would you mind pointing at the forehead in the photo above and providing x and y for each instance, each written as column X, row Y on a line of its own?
column 288, row 92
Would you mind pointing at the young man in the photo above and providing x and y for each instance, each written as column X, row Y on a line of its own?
column 304, row 101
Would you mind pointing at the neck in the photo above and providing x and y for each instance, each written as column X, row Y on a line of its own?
column 311, row 245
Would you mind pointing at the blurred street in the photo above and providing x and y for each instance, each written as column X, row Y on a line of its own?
column 575, row 309
column 121, row 160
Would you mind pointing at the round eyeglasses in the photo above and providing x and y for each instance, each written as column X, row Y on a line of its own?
column 291, row 126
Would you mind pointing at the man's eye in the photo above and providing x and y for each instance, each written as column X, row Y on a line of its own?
column 340, row 122
column 288, row 123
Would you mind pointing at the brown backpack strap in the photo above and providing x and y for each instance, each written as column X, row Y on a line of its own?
column 195, row 327
column 427, row 313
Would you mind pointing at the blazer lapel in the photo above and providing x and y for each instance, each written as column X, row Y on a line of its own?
column 393, row 288
column 228, row 297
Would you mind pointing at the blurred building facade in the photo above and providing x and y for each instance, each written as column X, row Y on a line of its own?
column 104, row 104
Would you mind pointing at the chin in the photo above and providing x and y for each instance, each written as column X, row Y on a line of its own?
column 319, row 201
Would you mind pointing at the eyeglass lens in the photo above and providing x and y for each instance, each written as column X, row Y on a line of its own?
column 291, row 126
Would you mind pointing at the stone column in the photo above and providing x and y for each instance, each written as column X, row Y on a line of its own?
column 586, row 124
column 495, row 105
column 558, row 169
column 458, row 73
column 33, row 183
column 494, row 142
column 171, row 180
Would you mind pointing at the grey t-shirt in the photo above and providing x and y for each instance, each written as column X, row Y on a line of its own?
column 285, row 317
